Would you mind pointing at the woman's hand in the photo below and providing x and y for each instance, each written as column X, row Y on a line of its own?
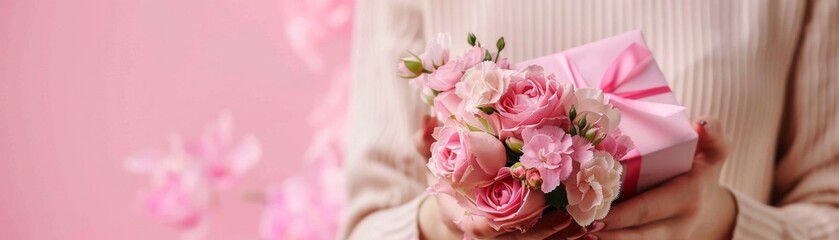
column 440, row 217
column 693, row 205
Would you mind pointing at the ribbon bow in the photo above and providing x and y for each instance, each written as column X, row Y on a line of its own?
column 631, row 62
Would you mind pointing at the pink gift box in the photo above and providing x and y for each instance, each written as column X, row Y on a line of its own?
column 624, row 69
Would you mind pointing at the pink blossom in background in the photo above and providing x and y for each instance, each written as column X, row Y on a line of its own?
column 185, row 180
column 85, row 83
column 308, row 205
column 178, row 194
column 224, row 162
column 313, row 23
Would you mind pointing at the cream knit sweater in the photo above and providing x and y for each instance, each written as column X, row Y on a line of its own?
column 769, row 70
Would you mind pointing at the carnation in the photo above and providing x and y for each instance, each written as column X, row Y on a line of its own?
column 592, row 188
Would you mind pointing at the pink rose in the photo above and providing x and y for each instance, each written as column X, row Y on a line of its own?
column 482, row 86
column 472, row 57
column 505, row 203
column 592, row 188
column 616, row 144
column 445, row 105
column 531, row 98
column 446, row 76
column 594, row 106
column 449, row 107
column 505, row 64
column 551, row 151
column 465, row 158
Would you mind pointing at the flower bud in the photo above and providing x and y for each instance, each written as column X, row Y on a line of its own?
column 518, row 171
column 592, row 133
column 471, row 39
column 534, row 179
column 500, row 44
column 410, row 68
column 514, row 144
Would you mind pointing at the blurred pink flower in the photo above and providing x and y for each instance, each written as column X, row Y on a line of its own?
column 311, row 24
column 184, row 180
column 178, row 193
column 224, row 162
column 302, row 208
column 436, row 52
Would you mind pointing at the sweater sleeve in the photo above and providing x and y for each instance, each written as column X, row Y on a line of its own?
column 385, row 175
column 806, row 183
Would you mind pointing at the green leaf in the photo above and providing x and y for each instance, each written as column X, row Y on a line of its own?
column 557, row 198
column 486, row 125
column 472, row 128
column 487, row 109
column 572, row 130
column 500, row 44
column 487, row 56
column 471, row 39
column 572, row 114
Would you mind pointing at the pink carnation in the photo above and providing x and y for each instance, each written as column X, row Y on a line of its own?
column 551, row 151
column 616, row 144
column 592, row 188
column 482, row 86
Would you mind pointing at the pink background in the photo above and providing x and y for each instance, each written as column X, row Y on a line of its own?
column 85, row 83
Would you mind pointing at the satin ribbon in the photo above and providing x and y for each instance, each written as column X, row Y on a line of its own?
column 631, row 62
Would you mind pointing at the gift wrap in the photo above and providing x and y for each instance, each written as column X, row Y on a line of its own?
column 624, row 69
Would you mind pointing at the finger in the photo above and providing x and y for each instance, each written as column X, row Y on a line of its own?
column 422, row 148
column 573, row 232
column 668, row 200
column 549, row 225
column 711, row 147
column 453, row 212
column 656, row 230
column 476, row 227
column 423, row 137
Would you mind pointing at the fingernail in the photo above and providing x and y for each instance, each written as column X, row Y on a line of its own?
column 596, row 226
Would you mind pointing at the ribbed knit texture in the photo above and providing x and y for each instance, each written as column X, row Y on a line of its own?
column 769, row 70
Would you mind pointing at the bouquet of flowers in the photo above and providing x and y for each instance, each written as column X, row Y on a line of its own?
column 516, row 143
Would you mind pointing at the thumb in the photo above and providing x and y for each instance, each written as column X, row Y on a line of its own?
column 711, row 147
